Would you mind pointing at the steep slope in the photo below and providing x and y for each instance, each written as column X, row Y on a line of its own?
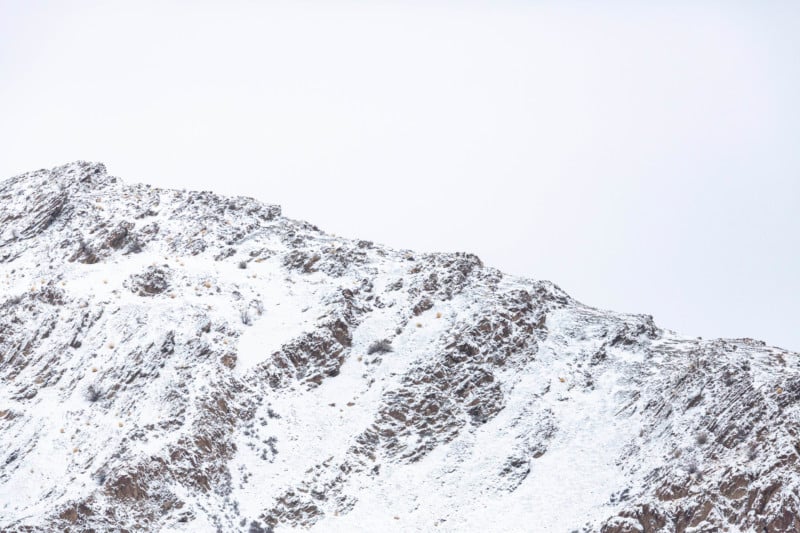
column 183, row 361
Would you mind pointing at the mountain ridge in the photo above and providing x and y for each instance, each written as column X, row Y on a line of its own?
column 184, row 361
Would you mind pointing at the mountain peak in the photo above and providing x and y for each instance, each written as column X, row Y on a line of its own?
column 186, row 361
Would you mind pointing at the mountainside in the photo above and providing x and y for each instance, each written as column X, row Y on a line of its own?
column 184, row 361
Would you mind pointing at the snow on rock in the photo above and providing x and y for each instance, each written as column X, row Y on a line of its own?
column 183, row 361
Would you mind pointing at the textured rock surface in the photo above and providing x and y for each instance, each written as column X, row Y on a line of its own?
column 183, row 361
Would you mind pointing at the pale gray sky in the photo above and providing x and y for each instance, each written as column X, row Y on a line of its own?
column 646, row 158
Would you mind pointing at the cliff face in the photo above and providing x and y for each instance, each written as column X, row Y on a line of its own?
column 184, row 361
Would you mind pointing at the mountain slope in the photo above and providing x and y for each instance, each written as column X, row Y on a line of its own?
column 183, row 361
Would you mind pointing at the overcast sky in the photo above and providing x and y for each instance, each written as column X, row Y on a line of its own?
column 644, row 158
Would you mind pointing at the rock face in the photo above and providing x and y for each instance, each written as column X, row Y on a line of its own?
column 183, row 361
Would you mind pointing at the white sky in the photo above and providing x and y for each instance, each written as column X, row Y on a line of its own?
column 645, row 158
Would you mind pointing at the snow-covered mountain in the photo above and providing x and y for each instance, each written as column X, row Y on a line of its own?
column 184, row 361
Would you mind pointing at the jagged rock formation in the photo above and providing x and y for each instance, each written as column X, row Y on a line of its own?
column 183, row 361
